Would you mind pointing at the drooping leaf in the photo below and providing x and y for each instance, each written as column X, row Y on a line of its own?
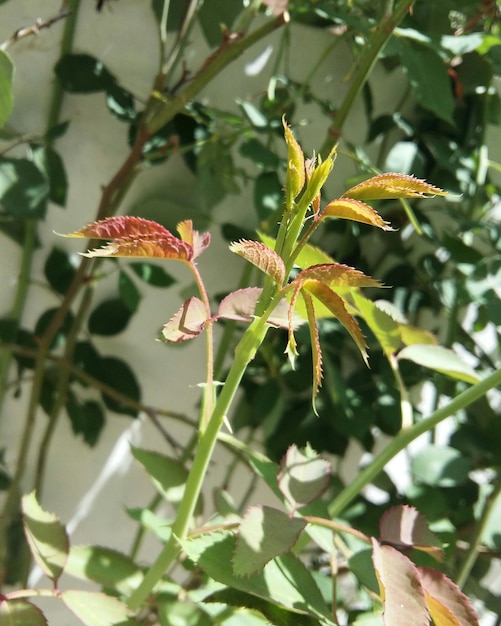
column 24, row 190
column 302, row 477
column 119, row 376
column 168, row 475
column 389, row 185
column 404, row 526
column 262, row 257
column 441, row 360
column 46, row 537
column 316, row 350
column 264, row 533
column 441, row 466
column 109, row 317
column 355, row 210
column 6, row 92
column 295, row 176
column 284, row 580
column 187, row 323
column 97, row 609
column 82, row 73
column 400, row 587
column 105, row 567
column 447, row 604
column 20, row 613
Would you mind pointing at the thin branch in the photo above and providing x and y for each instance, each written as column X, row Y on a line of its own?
column 35, row 29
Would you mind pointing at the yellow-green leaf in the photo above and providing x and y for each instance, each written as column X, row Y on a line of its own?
column 355, row 210
column 294, row 179
column 383, row 326
column 441, row 360
column 386, row 186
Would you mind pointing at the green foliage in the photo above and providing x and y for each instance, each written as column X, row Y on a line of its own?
column 412, row 555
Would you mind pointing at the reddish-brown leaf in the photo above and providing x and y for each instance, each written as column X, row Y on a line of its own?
column 154, row 247
column 336, row 306
column 198, row 242
column 400, row 587
column 336, row 275
column 447, row 604
column 122, row 227
column 385, row 186
column 405, row 526
column 262, row 257
column 187, row 323
column 316, row 350
column 240, row 306
column 355, row 210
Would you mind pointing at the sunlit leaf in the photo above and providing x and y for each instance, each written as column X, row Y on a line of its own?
column 295, row 176
column 264, row 533
column 317, row 180
column 404, row 526
column 262, row 257
column 198, row 242
column 187, row 323
column 384, row 327
column 97, row 609
column 355, row 210
column 336, row 276
column 440, row 466
column 46, row 537
column 303, row 476
column 447, row 604
column 441, row 360
column 240, row 306
column 311, row 255
column 389, row 185
column 6, row 92
column 168, row 475
column 316, row 350
column 400, row 587
column 105, row 567
column 20, row 613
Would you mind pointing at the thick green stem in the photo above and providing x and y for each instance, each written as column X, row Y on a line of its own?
column 405, row 437
column 380, row 37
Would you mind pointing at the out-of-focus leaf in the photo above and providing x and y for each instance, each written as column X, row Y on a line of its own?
column 187, row 323
column 152, row 274
column 440, row 466
column 120, row 102
column 45, row 319
column 109, row 317
column 405, row 526
column 153, row 523
column 447, row 604
column 215, row 172
column 105, row 567
column 441, row 360
column 82, row 73
column 87, row 418
column 264, row 533
column 118, row 375
column 262, row 257
column 268, row 195
column 168, row 475
column 46, row 537
column 302, row 477
column 97, row 609
column 59, row 270
column 51, row 164
column 24, row 190
column 220, row 13
column 20, row 613
column 384, row 327
column 6, row 94
column 129, row 293
column 259, row 154
column 400, row 587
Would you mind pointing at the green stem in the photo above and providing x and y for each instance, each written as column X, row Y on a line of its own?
column 379, row 39
column 245, row 352
column 405, row 437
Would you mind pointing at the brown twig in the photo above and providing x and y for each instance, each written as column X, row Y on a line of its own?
column 35, row 29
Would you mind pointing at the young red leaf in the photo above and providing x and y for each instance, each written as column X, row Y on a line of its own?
column 336, row 306
column 400, row 587
column 336, row 275
column 262, row 257
column 121, row 227
column 198, row 242
column 355, row 210
column 187, row 323
column 405, row 526
column 303, row 476
column 240, row 306
column 294, row 179
column 316, row 349
column 264, row 533
column 169, row 248
column 447, row 604
column 385, row 186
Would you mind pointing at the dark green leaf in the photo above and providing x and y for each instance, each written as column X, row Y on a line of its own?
column 216, row 174
column 6, row 95
column 46, row 318
column 87, row 418
column 25, row 339
column 259, row 154
column 129, row 293
column 268, row 195
column 50, row 163
column 440, row 466
column 121, row 103
column 59, row 270
column 118, row 375
column 57, row 131
column 20, row 612
column 217, row 14
column 8, row 330
column 82, row 73
column 152, row 274
column 88, row 359
column 24, row 190
column 109, row 318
